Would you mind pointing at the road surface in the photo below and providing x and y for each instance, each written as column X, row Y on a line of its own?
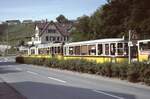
column 36, row 82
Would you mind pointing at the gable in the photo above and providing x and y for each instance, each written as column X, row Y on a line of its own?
column 54, row 27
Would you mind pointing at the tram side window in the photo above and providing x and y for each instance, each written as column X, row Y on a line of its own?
column 65, row 51
column 100, row 49
column 32, row 51
column 70, row 50
column 55, row 50
column 84, row 50
column 26, row 52
column 92, row 50
column 60, row 50
column 48, row 50
column 145, row 46
column 126, row 49
column 120, row 49
column 106, row 49
column 44, row 51
column 112, row 49
column 39, row 51
column 77, row 50
column 52, row 50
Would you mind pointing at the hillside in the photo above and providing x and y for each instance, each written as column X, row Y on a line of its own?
column 17, row 33
column 115, row 19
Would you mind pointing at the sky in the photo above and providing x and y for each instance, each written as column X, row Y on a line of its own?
column 47, row 9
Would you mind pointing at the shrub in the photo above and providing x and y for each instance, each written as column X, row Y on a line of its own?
column 20, row 59
column 135, row 72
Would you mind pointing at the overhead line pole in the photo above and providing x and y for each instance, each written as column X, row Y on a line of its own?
column 129, row 44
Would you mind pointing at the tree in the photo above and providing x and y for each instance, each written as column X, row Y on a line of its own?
column 21, row 43
column 61, row 19
column 83, row 29
column 115, row 19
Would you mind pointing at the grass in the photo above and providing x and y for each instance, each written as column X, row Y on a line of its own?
column 17, row 33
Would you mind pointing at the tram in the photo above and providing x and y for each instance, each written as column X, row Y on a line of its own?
column 115, row 50
column 102, row 50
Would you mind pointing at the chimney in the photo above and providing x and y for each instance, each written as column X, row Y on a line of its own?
column 46, row 20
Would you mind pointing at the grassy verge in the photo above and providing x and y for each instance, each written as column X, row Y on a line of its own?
column 135, row 72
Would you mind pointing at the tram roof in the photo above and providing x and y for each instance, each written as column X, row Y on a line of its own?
column 49, row 45
column 96, row 41
column 147, row 40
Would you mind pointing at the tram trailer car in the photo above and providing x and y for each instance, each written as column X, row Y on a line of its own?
column 101, row 51
column 113, row 50
column 144, row 50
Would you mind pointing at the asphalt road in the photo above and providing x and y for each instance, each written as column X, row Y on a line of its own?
column 35, row 82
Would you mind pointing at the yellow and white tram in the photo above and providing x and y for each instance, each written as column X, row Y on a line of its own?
column 101, row 50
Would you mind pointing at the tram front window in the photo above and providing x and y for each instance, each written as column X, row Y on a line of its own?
column 145, row 46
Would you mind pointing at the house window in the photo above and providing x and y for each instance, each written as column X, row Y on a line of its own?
column 51, row 31
column 61, row 38
column 36, row 38
column 65, row 38
column 51, row 39
column 54, row 38
column 46, row 38
column 57, row 38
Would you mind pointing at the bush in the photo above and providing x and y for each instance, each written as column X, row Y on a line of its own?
column 135, row 72
column 20, row 59
column 147, row 76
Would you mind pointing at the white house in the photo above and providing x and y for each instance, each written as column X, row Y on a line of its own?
column 51, row 32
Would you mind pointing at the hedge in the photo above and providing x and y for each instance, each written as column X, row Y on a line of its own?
column 135, row 72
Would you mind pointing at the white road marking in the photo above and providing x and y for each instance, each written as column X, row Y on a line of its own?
column 18, row 69
column 32, row 72
column 111, row 95
column 57, row 79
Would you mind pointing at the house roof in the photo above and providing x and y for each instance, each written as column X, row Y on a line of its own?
column 63, row 28
column 9, row 21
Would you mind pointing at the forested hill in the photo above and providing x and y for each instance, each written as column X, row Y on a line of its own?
column 16, row 33
column 115, row 19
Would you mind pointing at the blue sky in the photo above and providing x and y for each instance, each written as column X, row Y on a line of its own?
column 50, row 9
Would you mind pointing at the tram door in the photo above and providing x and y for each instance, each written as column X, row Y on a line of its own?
column 134, row 52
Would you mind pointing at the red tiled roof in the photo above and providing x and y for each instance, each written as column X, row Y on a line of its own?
column 63, row 28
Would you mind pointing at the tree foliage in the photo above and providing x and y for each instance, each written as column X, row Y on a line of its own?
column 115, row 19
column 61, row 19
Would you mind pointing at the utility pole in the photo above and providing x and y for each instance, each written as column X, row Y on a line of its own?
column 129, row 49
column 7, row 41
